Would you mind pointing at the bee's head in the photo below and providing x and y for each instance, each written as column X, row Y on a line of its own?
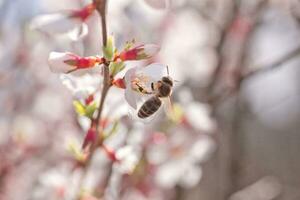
column 168, row 80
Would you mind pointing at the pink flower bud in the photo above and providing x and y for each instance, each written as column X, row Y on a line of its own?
column 71, row 22
column 89, row 99
column 140, row 52
column 89, row 138
column 84, row 13
column 120, row 83
column 68, row 62
column 110, row 153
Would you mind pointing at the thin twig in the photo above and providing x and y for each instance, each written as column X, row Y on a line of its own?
column 275, row 65
column 216, row 73
column 179, row 193
column 232, row 50
column 101, row 9
column 235, row 145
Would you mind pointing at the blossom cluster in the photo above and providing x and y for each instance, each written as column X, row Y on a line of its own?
column 141, row 158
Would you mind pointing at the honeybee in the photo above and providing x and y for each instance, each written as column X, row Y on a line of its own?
column 161, row 89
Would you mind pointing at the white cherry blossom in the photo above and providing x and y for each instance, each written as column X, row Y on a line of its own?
column 66, row 22
column 182, row 158
column 142, row 76
column 57, row 63
column 128, row 157
column 66, row 62
column 158, row 4
column 81, row 86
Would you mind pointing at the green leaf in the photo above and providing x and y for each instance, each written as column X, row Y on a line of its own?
column 75, row 150
column 109, row 49
column 83, row 110
column 90, row 109
column 79, row 108
column 116, row 67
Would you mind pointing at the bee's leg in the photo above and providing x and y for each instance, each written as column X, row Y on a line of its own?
column 155, row 85
column 152, row 86
column 143, row 90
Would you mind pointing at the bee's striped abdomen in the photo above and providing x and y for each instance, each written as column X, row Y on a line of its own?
column 149, row 107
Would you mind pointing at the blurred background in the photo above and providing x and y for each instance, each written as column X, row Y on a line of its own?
column 237, row 65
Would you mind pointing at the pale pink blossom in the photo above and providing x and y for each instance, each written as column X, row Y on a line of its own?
column 197, row 114
column 179, row 158
column 81, row 86
column 66, row 62
column 125, row 159
column 142, row 76
column 128, row 157
column 140, row 52
column 178, row 172
column 158, row 4
column 70, row 22
column 57, row 63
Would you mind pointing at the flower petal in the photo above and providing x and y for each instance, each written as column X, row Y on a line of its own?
column 128, row 158
column 139, row 52
column 191, row 176
column 57, row 64
column 129, row 93
column 78, row 32
column 169, row 174
column 202, row 150
column 123, row 152
column 130, row 97
column 56, row 23
column 81, row 86
column 155, row 70
column 151, row 49
column 198, row 115
column 158, row 4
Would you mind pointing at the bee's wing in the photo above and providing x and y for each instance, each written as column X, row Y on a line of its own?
column 168, row 107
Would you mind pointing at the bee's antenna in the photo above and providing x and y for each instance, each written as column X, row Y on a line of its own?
column 168, row 70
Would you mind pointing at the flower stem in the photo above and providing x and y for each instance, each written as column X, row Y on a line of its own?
column 101, row 9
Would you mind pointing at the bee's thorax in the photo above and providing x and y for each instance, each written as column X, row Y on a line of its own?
column 164, row 90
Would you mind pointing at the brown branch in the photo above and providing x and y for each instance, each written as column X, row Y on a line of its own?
column 179, row 193
column 275, row 65
column 101, row 9
column 235, row 141
column 219, row 49
column 224, row 84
